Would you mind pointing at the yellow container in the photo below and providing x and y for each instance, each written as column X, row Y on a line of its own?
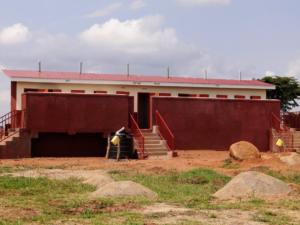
column 279, row 142
column 115, row 140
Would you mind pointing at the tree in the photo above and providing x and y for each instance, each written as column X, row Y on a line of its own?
column 287, row 91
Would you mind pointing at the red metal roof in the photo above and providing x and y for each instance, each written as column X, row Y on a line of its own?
column 15, row 74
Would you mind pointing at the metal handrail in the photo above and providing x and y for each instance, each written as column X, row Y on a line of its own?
column 284, row 131
column 139, row 137
column 164, row 131
column 10, row 121
column 277, row 125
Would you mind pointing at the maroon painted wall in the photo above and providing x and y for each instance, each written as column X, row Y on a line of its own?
column 217, row 123
column 73, row 113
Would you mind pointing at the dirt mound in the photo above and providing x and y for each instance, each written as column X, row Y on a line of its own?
column 123, row 189
column 292, row 160
column 253, row 184
column 99, row 180
column 243, row 150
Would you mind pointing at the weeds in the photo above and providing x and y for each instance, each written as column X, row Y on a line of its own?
column 229, row 164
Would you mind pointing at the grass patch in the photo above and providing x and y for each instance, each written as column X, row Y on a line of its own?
column 40, row 186
column 192, row 188
column 5, row 169
column 287, row 177
column 272, row 218
column 42, row 196
column 45, row 201
column 230, row 164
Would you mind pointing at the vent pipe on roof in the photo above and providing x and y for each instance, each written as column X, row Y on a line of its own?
column 40, row 66
column 128, row 70
column 81, row 67
column 168, row 72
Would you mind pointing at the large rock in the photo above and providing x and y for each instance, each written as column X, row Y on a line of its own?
column 243, row 150
column 253, row 184
column 123, row 189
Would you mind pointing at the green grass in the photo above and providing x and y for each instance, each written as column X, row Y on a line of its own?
column 45, row 197
column 289, row 177
column 192, row 189
column 272, row 218
column 49, row 201
column 229, row 164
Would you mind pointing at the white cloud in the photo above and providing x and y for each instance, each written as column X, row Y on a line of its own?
column 294, row 68
column 269, row 73
column 146, row 43
column 137, row 4
column 15, row 34
column 204, row 2
column 137, row 36
column 106, row 10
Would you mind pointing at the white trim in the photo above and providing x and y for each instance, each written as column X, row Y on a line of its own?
column 141, row 83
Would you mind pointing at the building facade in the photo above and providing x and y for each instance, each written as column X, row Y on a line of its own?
column 53, row 109
column 133, row 85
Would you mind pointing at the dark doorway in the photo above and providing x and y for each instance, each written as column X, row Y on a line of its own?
column 143, row 110
column 65, row 145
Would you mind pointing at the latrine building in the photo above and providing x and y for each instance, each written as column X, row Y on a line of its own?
column 52, row 108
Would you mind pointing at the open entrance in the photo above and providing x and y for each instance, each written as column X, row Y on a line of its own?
column 65, row 145
column 144, row 110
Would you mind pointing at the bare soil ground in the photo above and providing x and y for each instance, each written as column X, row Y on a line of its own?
column 186, row 160
column 169, row 214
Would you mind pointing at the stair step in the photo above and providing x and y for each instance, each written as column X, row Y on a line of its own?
column 10, row 139
column 157, row 153
column 153, row 145
column 152, row 142
column 147, row 131
column 152, row 138
column 156, row 149
column 149, row 134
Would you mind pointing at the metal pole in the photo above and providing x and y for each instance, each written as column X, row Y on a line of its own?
column 128, row 70
column 119, row 151
column 40, row 66
column 108, row 146
column 168, row 72
column 81, row 66
column 240, row 75
column 205, row 71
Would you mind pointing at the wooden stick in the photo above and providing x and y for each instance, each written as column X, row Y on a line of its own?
column 108, row 146
column 119, row 151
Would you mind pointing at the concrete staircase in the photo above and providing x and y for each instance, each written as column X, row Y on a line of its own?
column 16, row 144
column 296, row 141
column 11, row 136
column 155, row 146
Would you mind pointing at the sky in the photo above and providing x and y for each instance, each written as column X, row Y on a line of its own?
column 224, row 37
